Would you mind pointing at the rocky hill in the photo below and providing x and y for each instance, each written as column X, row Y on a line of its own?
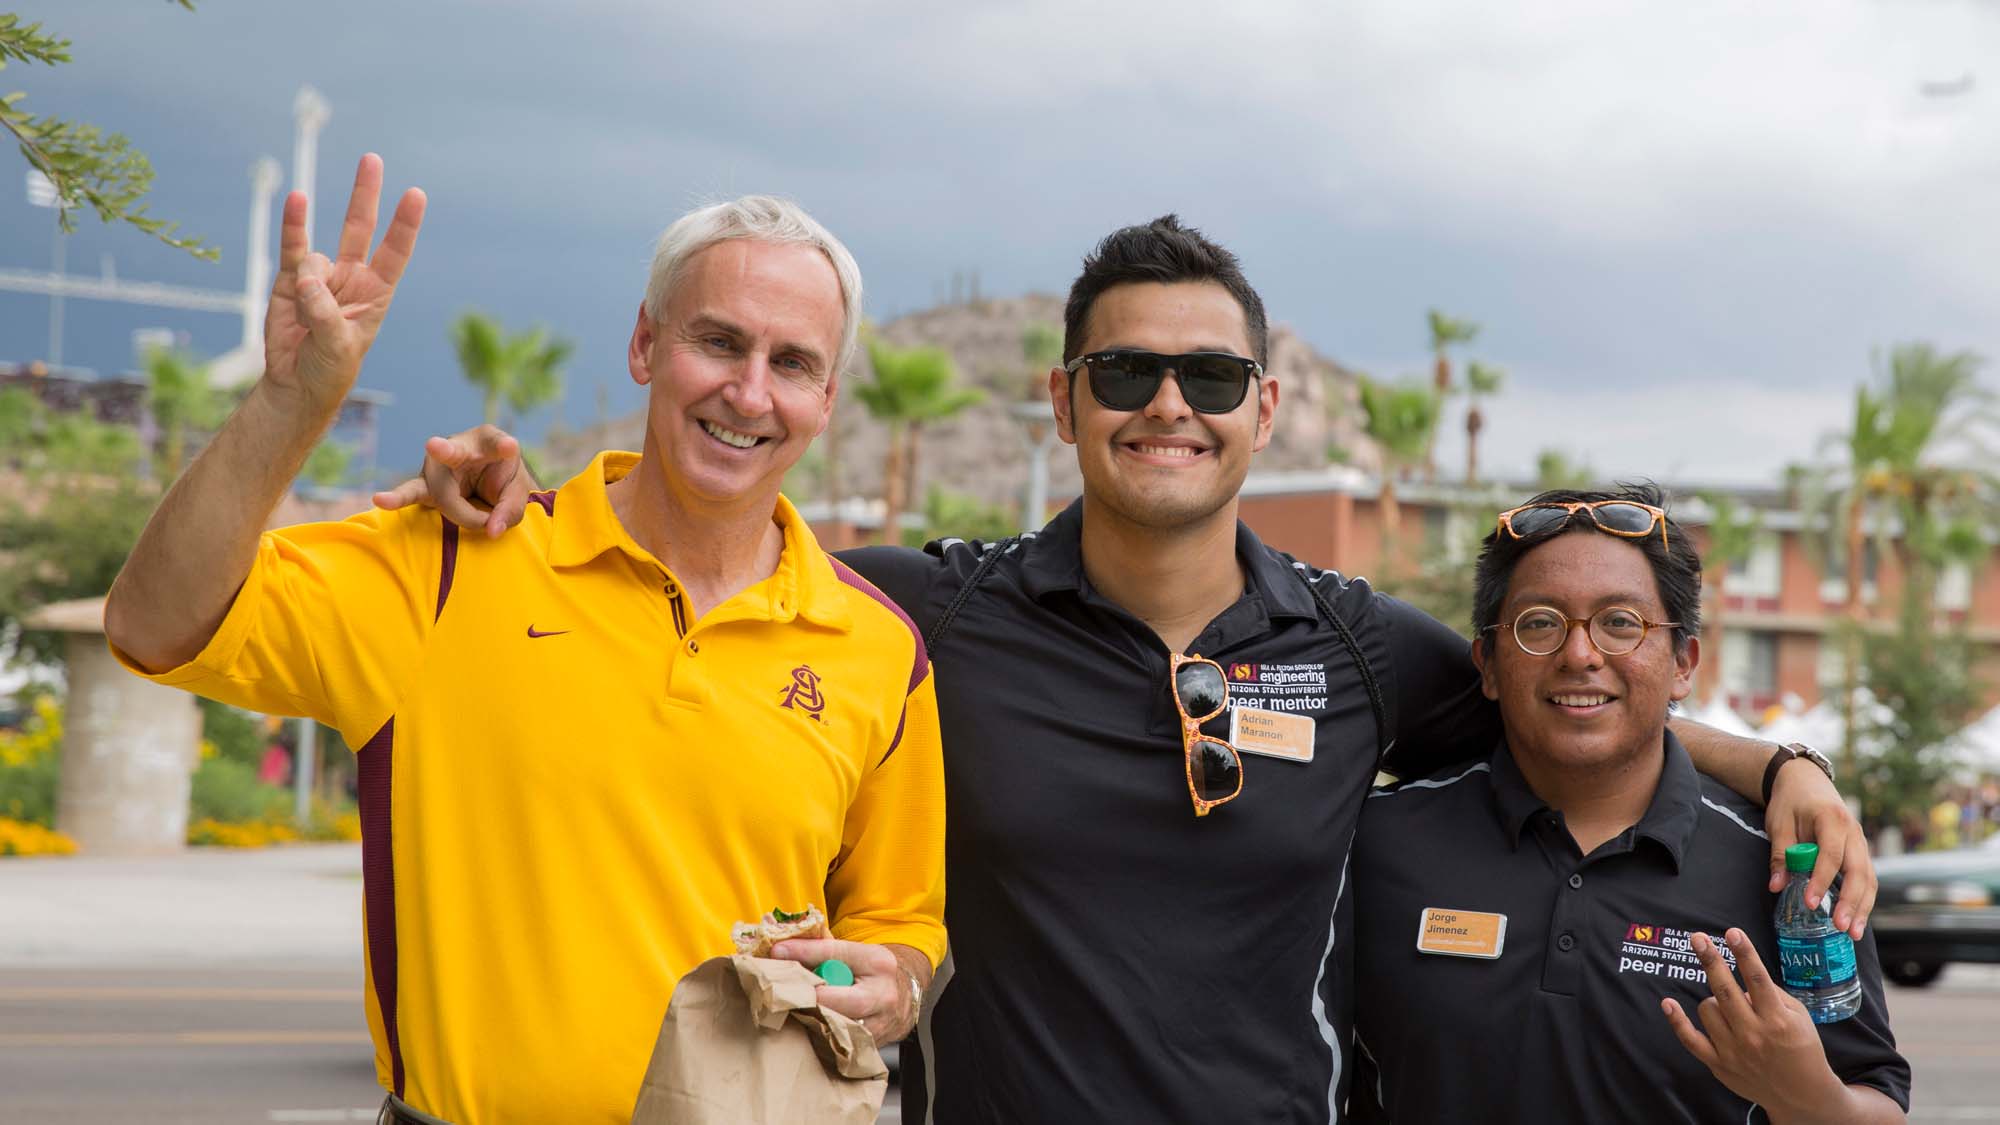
column 982, row 453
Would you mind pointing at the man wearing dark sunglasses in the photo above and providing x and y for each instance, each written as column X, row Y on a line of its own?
column 1145, row 926
column 1536, row 929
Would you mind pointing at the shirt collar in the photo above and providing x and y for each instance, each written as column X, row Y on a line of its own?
column 803, row 585
column 1052, row 558
column 1669, row 820
column 1275, row 577
column 1053, row 561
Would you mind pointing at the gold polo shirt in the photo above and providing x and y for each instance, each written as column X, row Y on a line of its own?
column 571, row 787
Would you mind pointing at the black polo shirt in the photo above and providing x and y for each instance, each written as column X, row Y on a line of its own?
column 1114, row 958
column 1565, row 1025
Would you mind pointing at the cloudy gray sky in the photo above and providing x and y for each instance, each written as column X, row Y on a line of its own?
column 1683, row 226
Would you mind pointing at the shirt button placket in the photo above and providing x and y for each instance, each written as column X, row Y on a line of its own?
column 1562, row 967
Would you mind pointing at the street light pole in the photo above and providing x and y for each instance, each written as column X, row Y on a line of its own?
column 42, row 193
column 56, row 301
column 310, row 112
column 305, row 771
column 264, row 178
column 1038, row 429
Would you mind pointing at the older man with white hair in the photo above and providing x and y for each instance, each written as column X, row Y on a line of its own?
column 588, row 748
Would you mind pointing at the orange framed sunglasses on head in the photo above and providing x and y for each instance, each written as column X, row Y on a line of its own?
column 1214, row 767
column 1627, row 518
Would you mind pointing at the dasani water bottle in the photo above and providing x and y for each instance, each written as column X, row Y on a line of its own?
column 1816, row 961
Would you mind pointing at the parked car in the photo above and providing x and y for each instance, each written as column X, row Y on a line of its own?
column 1935, row 908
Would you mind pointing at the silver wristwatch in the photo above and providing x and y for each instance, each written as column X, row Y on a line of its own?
column 1801, row 750
column 1792, row 751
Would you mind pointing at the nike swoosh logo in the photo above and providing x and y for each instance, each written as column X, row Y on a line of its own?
column 552, row 633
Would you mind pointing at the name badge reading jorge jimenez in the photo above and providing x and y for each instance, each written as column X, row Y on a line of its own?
column 1461, row 933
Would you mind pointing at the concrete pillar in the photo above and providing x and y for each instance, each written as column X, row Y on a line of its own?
column 129, row 746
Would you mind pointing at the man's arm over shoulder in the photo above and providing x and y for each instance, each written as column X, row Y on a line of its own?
column 1438, row 712
column 922, row 582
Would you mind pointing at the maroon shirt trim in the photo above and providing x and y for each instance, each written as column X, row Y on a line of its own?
column 378, row 883
column 919, row 665
column 448, row 568
column 546, row 499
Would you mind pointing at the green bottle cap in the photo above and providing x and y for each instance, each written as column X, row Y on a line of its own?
column 834, row 971
column 1801, row 857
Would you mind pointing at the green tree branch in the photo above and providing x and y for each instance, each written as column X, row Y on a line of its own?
column 88, row 167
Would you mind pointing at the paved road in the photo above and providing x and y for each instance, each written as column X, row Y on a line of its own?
column 214, row 987
column 1950, row 1032
column 93, row 1047
column 225, row 989
column 225, row 1047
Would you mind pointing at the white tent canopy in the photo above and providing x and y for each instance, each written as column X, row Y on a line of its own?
column 1718, row 714
column 1975, row 750
column 1818, row 726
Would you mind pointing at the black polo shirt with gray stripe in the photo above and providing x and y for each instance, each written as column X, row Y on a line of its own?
column 1565, row 1025
column 1114, row 957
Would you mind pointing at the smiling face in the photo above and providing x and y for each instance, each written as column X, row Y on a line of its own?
column 1163, row 466
column 1577, row 709
column 741, row 367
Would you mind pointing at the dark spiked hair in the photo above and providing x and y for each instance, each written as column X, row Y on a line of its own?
column 1161, row 251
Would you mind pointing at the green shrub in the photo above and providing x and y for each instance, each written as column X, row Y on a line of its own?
column 228, row 791
column 28, row 790
column 237, row 735
column 30, row 762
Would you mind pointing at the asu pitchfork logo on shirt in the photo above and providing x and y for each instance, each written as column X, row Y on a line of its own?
column 803, row 694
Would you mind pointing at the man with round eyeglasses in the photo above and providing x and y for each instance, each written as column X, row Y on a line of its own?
column 1534, row 929
column 1158, row 736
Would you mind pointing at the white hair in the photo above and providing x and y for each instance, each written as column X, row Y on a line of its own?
column 764, row 218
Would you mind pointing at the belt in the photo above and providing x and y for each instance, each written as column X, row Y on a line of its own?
column 395, row 1111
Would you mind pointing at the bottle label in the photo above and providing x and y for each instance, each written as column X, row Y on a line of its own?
column 1816, row 962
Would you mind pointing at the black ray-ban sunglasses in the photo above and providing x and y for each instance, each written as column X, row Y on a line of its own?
column 1210, row 382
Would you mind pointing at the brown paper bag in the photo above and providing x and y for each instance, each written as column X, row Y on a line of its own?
column 745, row 1042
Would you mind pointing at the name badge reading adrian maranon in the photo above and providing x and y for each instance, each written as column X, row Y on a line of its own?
column 1461, row 933
column 1273, row 734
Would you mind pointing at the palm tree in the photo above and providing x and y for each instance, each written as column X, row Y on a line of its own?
column 1891, row 468
column 522, row 370
column 912, row 386
column 1554, row 470
column 1480, row 379
column 1445, row 331
column 1730, row 539
column 1402, row 419
column 180, row 400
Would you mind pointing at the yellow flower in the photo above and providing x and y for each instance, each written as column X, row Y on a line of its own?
column 21, row 838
